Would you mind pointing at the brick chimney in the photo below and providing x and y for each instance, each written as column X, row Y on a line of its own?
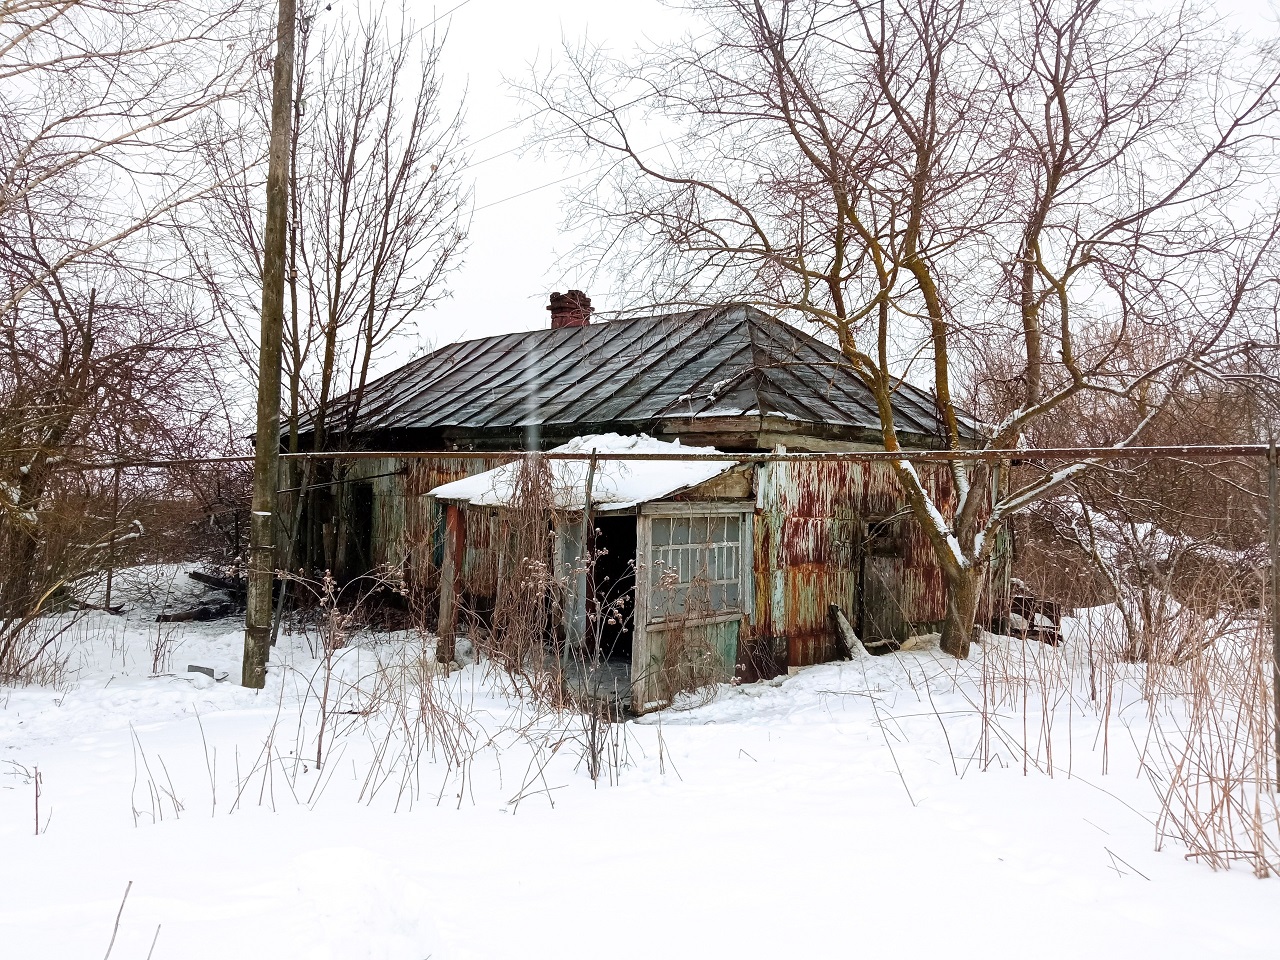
column 572, row 309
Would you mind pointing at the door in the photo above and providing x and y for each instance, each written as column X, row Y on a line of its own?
column 693, row 592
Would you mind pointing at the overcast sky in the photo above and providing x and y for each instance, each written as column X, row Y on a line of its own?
column 518, row 253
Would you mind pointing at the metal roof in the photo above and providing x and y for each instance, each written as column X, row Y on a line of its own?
column 729, row 361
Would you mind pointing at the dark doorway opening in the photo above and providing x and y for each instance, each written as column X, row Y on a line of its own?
column 614, row 585
column 360, row 550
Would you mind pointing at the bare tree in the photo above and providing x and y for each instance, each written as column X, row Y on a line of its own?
column 103, row 348
column 1064, row 195
column 379, row 216
column 99, row 110
column 1168, row 541
column 379, row 208
column 93, row 366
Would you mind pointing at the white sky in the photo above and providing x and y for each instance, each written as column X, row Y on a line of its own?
column 518, row 252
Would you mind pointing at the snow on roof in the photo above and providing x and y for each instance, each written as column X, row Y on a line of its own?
column 617, row 485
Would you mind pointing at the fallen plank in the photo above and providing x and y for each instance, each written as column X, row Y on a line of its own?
column 218, row 583
column 208, row 611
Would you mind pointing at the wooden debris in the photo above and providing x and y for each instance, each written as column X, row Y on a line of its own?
column 233, row 587
column 847, row 643
column 207, row 611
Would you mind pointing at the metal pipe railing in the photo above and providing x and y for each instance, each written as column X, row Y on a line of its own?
column 1061, row 454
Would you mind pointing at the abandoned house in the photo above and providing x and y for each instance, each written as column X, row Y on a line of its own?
column 737, row 560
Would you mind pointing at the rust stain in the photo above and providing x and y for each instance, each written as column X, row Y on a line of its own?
column 408, row 525
column 811, row 551
column 480, row 568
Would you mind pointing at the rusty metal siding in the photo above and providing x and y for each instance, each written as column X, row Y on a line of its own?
column 809, row 533
column 423, row 532
column 407, row 523
column 809, row 553
column 480, row 565
column 454, row 548
column 387, row 511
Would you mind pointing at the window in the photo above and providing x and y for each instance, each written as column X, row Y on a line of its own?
column 883, row 537
column 695, row 565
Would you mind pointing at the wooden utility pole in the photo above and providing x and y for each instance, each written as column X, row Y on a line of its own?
column 266, row 463
column 1273, row 512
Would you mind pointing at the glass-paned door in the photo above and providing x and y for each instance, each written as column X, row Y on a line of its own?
column 696, row 561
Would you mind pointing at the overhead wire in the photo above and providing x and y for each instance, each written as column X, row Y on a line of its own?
column 572, row 176
column 520, row 122
column 566, row 129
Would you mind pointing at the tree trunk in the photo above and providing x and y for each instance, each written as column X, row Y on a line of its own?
column 962, row 608
column 16, row 590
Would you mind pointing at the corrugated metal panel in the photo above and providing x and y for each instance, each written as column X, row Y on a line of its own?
column 723, row 362
column 810, row 553
column 809, row 545
column 407, row 524
column 480, row 566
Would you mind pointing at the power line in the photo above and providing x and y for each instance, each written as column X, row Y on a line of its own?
column 555, row 133
column 572, row 176
column 543, row 186
column 438, row 18
column 517, row 123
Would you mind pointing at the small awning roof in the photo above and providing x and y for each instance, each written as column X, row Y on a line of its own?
column 616, row 485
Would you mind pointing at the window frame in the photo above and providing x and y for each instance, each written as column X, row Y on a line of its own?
column 745, row 511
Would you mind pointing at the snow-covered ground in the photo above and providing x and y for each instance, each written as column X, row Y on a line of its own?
column 849, row 809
